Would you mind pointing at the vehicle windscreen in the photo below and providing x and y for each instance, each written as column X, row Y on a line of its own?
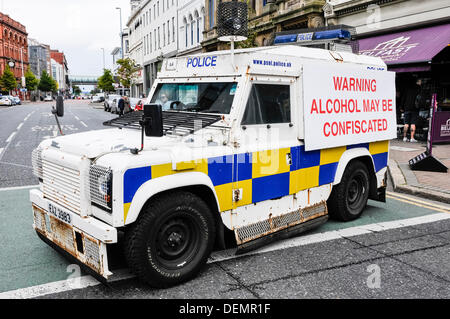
column 216, row 97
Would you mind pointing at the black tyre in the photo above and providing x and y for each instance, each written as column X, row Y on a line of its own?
column 171, row 240
column 349, row 198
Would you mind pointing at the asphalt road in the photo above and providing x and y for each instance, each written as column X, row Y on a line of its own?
column 400, row 249
column 22, row 128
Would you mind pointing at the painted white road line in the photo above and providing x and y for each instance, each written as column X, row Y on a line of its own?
column 18, row 188
column 84, row 124
column 17, row 165
column 62, row 286
column 1, row 150
column 123, row 274
column 77, row 118
column 20, row 126
column 11, row 137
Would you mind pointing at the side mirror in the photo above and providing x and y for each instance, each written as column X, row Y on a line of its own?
column 153, row 120
column 60, row 106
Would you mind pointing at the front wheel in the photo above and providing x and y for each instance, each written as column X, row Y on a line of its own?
column 349, row 198
column 171, row 240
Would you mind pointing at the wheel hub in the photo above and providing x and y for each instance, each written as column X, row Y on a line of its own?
column 174, row 239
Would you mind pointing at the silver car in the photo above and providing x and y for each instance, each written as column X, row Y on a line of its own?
column 109, row 100
column 5, row 101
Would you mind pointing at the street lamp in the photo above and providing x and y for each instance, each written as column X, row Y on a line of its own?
column 121, row 34
column 104, row 67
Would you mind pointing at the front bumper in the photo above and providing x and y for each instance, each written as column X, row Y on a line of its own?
column 83, row 238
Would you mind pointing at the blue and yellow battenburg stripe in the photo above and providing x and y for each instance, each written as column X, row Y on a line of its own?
column 262, row 175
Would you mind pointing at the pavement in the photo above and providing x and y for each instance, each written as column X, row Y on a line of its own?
column 429, row 185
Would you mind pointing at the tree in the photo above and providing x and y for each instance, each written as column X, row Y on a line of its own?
column 46, row 84
column 31, row 81
column 106, row 81
column 76, row 90
column 8, row 81
column 127, row 71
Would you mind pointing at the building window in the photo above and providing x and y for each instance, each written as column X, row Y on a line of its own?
column 148, row 45
column 211, row 13
column 154, row 11
column 168, row 32
column 163, row 7
column 198, row 30
column 145, row 44
column 186, row 27
column 151, row 47
column 158, row 8
column 192, row 32
column 264, row 2
column 164, row 34
column 173, row 29
column 159, row 39
column 150, row 15
column 154, row 34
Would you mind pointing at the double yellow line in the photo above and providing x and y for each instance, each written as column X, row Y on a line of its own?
column 418, row 202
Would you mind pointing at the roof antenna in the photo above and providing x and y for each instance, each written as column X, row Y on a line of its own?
column 232, row 23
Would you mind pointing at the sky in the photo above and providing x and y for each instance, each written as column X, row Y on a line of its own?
column 79, row 28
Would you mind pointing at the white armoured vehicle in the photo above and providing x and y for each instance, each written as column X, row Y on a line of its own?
column 241, row 147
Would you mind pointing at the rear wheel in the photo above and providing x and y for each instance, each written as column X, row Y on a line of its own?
column 349, row 198
column 171, row 240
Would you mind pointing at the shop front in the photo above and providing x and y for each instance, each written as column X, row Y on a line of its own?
column 419, row 54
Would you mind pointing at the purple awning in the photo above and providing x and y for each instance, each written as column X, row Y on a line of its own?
column 413, row 46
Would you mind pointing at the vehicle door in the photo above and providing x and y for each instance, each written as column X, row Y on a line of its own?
column 267, row 149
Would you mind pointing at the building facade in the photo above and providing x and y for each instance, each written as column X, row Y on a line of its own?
column 13, row 46
column 191, row 17
column 63, row 70
column 265, row 19
column 39, row 57
column 153, row 36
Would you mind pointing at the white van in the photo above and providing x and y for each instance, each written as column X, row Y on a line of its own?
column 262, row 144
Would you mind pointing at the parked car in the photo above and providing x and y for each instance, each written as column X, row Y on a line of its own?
column 48, row 98
column 17, row 100
column 114, row 105
column 109, row 100
column 98, row 98
column 5, row 101
column 12, row 99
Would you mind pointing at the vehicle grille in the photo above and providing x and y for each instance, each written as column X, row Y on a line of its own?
column 36, row 160
column 62, row 185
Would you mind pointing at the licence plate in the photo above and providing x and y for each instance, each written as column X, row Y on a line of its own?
column 60, row 214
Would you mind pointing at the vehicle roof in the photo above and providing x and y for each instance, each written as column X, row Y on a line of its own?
column 244, row 61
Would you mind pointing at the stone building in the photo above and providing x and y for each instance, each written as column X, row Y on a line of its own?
column 265, row 19
column 13, row 46
column 62, row 70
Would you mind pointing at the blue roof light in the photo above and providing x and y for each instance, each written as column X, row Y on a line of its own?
column 332, row 34
column 285, row 38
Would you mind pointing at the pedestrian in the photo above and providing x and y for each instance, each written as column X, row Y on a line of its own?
column 121, row 105
column 410, row 105
column 127, row 107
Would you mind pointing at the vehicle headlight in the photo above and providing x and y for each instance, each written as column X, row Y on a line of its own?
column 100, row 182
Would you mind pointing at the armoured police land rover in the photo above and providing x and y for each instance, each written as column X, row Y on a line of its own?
column 251, row 146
